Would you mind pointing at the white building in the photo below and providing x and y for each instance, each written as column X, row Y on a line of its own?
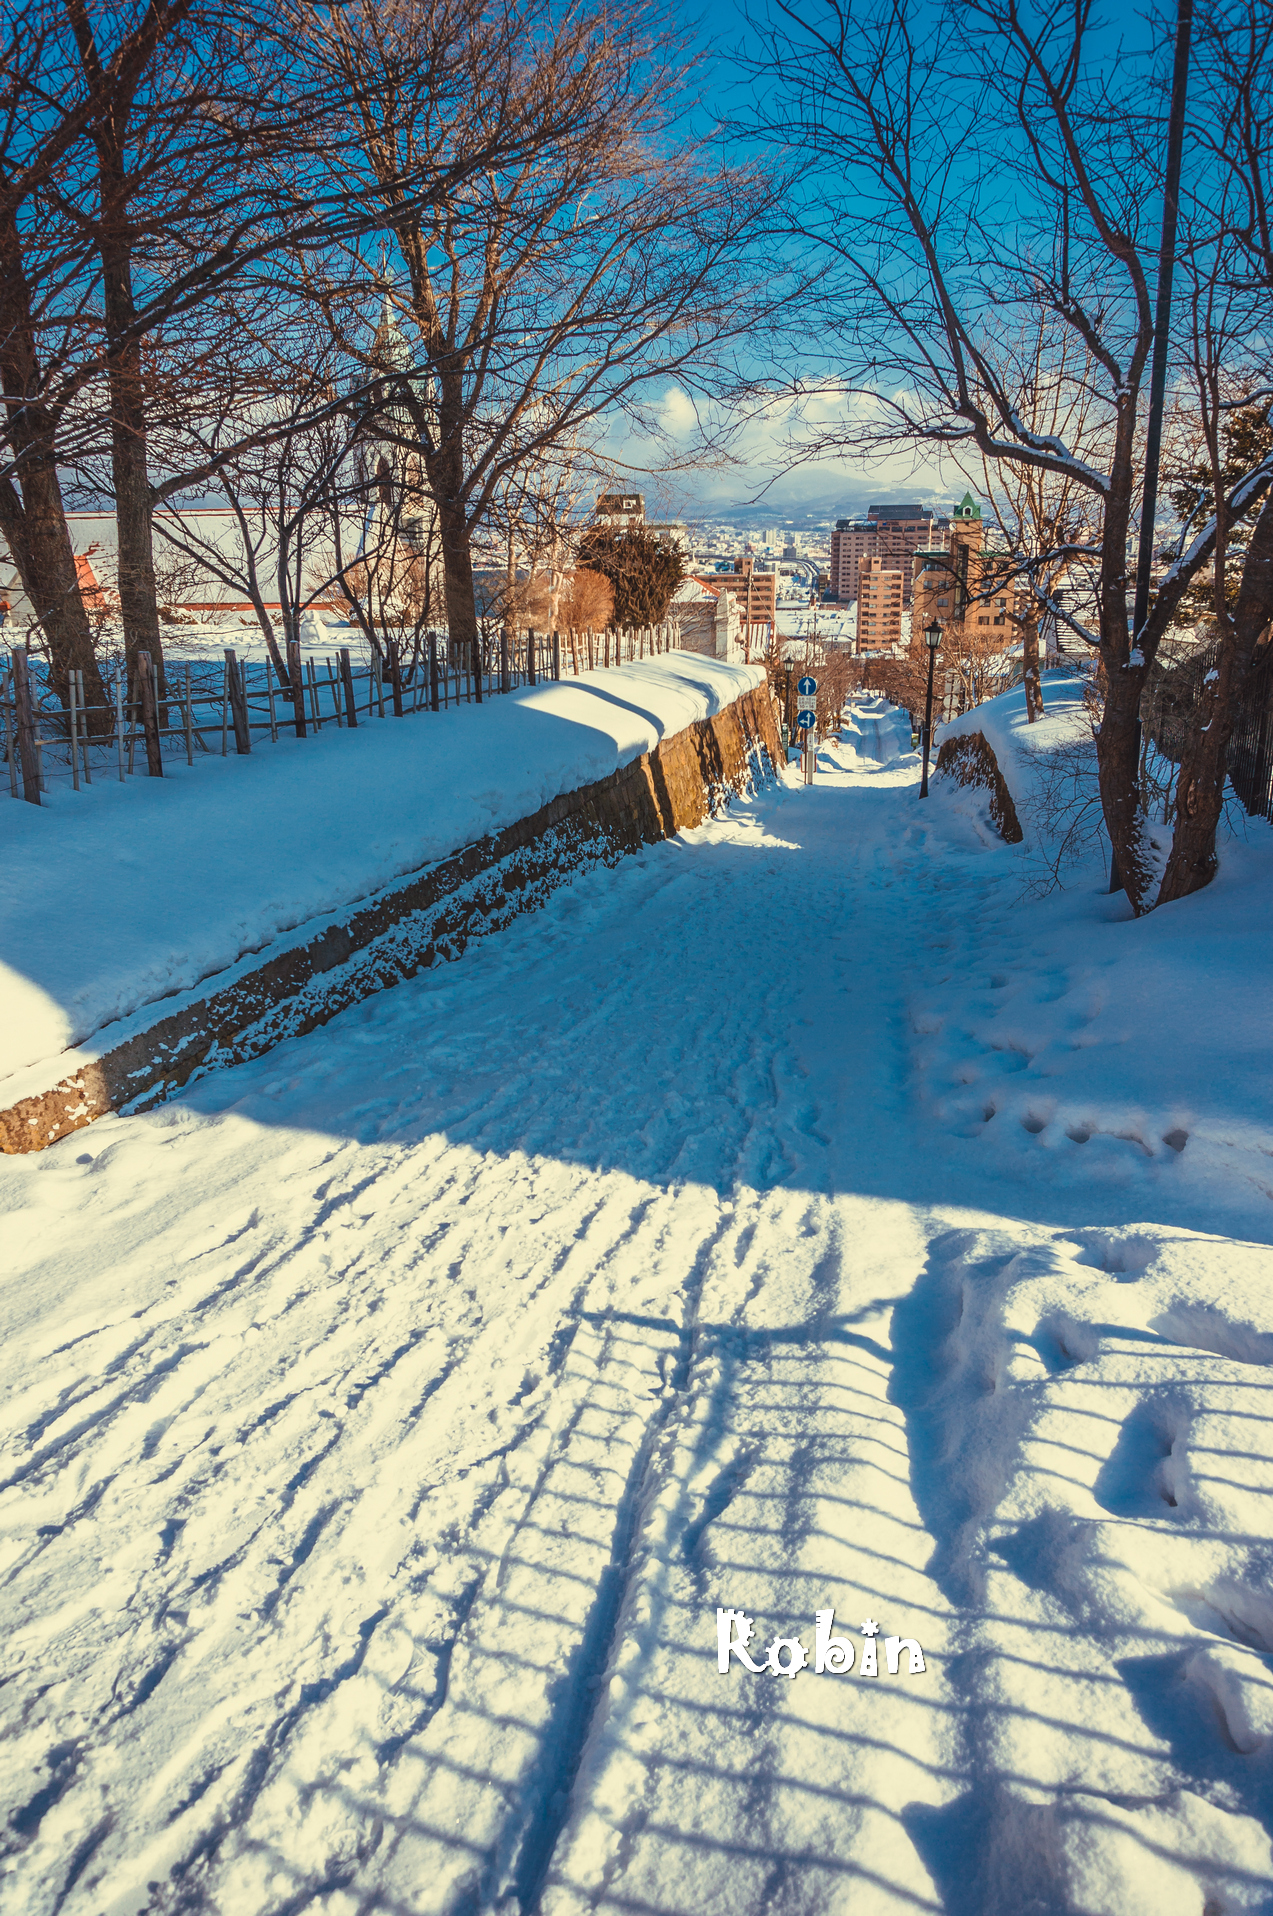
column 709, row 619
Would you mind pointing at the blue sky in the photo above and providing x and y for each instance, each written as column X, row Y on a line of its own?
column 764, row 444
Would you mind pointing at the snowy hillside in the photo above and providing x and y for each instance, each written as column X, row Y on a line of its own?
column 1022, row 750
column 790, row 1219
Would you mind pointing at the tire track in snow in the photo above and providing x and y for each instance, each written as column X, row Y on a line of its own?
column 786, row 1440
column 567, row 1733
column 232, row 1799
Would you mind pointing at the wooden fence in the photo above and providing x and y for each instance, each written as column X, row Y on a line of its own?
column 203, row 707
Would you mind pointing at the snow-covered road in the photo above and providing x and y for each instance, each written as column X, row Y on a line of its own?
column 388, row 1420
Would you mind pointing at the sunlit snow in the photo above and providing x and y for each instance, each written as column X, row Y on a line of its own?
column 791, row 1219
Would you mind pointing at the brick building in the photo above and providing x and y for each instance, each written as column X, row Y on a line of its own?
column 891, row 533
column 879, row 602
column 950, row 581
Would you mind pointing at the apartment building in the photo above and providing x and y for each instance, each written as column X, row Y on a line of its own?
column 852, row 541
column 620, row 511
column 892, row 533
column 879, row 603
column 756, row 594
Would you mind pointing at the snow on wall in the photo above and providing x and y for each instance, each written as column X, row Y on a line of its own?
column 120, row 896
column 1019, row 746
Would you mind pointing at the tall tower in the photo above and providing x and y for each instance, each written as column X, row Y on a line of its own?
column 966, row 533
column 948, row 570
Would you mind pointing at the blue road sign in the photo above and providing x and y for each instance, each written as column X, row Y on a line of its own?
column 806, row 719
column 806, row 687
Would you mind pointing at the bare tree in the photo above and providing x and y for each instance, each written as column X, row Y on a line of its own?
column 1048, row 522
column 537, row 516
column 130, row 94
column 270, row 425
column 39, row 131
column 154, row 156
column 1022, row 202
column 1229, row 267
column 542, row 294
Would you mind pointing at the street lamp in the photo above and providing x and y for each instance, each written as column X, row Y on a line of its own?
column 932, row 639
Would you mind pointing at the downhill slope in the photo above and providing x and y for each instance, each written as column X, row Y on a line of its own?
column 386, row 1422
column 120, row 895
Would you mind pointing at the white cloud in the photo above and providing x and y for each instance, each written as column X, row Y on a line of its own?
column 768, row 452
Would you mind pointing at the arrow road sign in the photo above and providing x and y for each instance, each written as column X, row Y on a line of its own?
column 806, row 687
column 806, row 719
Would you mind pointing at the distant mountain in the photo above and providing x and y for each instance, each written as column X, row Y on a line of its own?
column 801, row 515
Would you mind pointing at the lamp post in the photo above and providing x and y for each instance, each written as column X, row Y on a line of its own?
column 932, row 639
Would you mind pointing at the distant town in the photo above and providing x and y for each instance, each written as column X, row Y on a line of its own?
column 848, row 580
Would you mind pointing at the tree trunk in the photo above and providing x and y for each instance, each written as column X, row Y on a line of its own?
column 32, row 515
column 444, row 469
column 1200, row 794
column 1118, row 760
column 1030, row 669
column 113, row 92
column 266, row 624
column 133, row 505
column 1200, row 786
column 23, row 708
column 395, row 672
column 35, row 530
column 149, row 717
column 1118, row 743
column 296, row 685
column 457, row 568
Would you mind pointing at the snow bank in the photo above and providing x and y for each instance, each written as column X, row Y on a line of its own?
column 1074, row 1042
column 1108, row 1551
column 118, row 896
column 1020, row 748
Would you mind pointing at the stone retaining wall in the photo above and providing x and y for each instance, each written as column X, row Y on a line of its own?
column 969, row 759
column 419, row 921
